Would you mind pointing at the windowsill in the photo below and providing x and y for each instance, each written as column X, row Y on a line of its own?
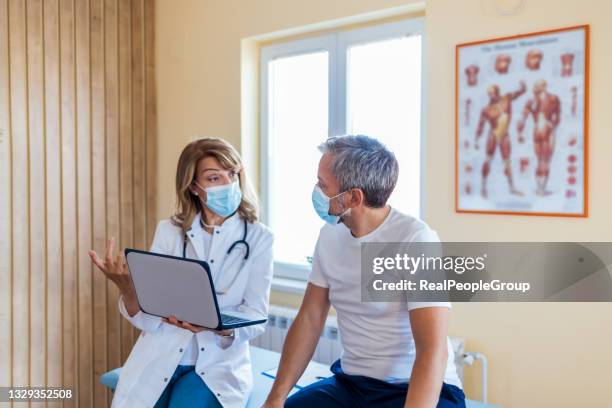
column 286, row 285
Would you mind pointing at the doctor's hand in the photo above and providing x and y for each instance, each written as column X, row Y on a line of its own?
column 114, row 267
column 183, row 325
column 195, row 329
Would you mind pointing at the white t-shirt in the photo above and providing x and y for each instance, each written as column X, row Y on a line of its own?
column 376, row 337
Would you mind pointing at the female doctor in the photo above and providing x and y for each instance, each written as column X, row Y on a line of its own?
column 175, row 364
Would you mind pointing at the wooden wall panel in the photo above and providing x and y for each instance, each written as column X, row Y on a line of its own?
column 126, row 183
column 77, row 166
column 5, row 202
column 150, row 120
column 20, row 195
column 84, row 193
column 111, row 41
column 98, row 186
column 138, row 121
column 53, row 197
column 138, row 126
column 68, row 193
column 36, row 183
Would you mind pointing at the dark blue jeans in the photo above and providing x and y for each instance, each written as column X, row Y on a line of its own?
column 343, row 390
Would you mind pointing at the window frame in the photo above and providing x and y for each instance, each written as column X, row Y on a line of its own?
column 336, row 44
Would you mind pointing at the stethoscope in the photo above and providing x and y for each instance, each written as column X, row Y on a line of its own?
column 234, row 245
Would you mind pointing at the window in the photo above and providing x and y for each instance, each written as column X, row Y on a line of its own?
column 365, row 81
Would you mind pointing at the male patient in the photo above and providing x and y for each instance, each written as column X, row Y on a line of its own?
column 395, row 354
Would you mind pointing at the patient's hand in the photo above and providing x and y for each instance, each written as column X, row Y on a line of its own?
column 273, row 404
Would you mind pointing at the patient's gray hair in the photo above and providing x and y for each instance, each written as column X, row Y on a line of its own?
column 365, row 163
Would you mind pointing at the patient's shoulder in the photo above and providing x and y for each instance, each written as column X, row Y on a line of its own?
column 407, row 228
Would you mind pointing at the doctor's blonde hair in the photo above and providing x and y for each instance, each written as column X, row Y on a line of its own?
column 187, row 204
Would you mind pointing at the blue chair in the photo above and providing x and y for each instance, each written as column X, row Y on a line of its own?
column 261, row 360
column 111, row 378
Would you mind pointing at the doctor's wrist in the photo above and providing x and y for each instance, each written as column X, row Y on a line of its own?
column 130, row 302
column 128, row 292
column 229, row 333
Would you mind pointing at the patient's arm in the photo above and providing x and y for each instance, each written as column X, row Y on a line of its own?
column 429, row 328
column 300, row 343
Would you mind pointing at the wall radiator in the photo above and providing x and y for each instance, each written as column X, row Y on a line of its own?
column 328, row 349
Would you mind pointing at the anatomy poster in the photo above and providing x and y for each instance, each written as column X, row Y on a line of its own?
column 521, row 126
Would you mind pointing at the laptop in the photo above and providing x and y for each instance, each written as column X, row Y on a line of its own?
column 173, row 286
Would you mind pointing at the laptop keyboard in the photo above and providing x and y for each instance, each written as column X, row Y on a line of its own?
column 227, row 319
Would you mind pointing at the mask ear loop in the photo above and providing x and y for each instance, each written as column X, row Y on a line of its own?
column 345, row 210
column 195, row 193
column 199, row 186
column 344, row 213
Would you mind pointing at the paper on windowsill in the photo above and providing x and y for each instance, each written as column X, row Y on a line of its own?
column 313, row 373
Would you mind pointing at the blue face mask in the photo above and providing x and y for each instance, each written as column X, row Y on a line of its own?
column 223, row 200
column 320, row 203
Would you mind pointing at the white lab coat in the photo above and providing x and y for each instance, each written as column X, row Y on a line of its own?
column 223, row 364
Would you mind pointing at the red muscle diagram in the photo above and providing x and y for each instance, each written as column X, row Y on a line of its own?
column 521, row 123
column 524, row 164
column 533, row 60
column 468, row 107
column 544, row 108
column 498, row 114
column 567, row 64
column 471, row 73
column 502, row 63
